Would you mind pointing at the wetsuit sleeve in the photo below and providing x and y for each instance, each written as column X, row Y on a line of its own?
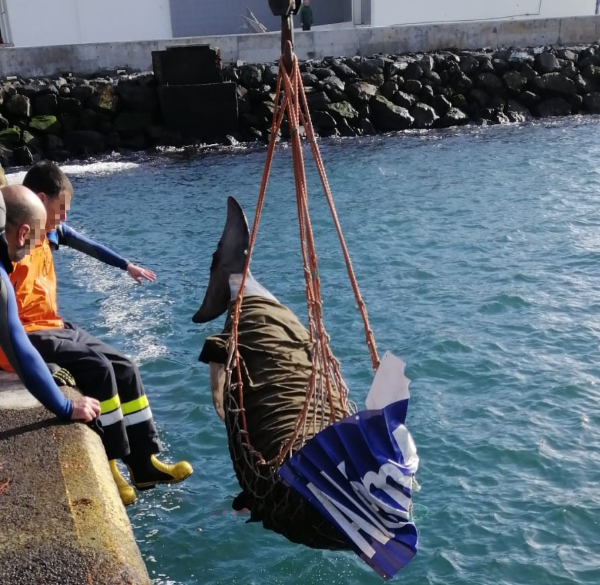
column 69, row 237
column 24, row 358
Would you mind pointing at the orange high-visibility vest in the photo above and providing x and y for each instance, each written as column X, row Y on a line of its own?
column 34, row 281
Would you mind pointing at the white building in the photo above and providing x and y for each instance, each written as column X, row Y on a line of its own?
column 390, row 12
column 30, row 23
column 25, row 23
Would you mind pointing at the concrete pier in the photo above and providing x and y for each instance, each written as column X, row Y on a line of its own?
column 61, row 518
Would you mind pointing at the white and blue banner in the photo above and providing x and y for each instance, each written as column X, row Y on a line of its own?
column 358, row 473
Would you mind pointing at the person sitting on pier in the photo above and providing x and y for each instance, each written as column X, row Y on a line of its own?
column 22, row 222
column 128, row 428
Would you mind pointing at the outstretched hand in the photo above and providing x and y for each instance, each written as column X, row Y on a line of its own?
column 85, row 409
column 138, row 273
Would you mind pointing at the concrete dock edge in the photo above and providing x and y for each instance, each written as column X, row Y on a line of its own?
column 61, row 519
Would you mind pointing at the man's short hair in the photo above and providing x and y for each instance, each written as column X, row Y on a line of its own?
column 46, row 177
column 17, row 213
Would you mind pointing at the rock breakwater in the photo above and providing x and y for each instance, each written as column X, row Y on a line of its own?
column 70, row 116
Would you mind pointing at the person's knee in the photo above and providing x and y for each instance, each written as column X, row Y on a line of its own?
column 93, row 371
column 126, row 372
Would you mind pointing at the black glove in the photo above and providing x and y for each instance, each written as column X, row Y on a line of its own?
column 61, row 376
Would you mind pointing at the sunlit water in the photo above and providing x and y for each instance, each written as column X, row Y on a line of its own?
column 478, row 256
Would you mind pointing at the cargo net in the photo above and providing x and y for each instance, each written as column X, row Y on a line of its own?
column 327, row 394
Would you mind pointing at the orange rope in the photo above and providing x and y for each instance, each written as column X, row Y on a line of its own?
column 296, row 107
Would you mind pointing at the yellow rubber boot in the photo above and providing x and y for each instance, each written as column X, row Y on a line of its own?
column 126, row 492
column 148, row 474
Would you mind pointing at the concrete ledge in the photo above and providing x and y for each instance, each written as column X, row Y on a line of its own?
column 61, row 518
column 316, row 44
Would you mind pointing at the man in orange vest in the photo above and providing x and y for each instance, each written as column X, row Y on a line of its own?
column 22, row 222
column 128, row 429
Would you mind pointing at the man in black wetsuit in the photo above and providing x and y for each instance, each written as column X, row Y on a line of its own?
column 22, row 221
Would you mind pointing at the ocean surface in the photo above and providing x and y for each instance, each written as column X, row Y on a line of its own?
column 478, row 256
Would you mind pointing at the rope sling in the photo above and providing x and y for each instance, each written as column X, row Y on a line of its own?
column 322, row 388
column 326, row 400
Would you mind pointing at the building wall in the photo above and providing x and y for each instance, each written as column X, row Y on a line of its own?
column 223, row 17
column 390, row 12
column 61, row 22
column 264, row 48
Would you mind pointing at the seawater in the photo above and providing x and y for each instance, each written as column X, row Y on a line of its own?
column 478, row 256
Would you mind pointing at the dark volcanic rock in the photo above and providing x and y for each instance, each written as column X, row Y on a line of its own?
column 54, row 144
column 332, row 83
column 371, row 73
column 44, row 105
column 547, row 63
column 413, row 71
column 387, row 116
column 323, row 120
column 344, row 128
column 576, row 102
column 404, row 100
column 480, row 97
column 323, row 72
column 132, row 124
column 453, row 117
column 529, row 99
column 459, row 101
column 515, row 82
column 270, row 75
column 441, row 104
column 251, row 76
column 591, row 102
column 366, row 127
column 22, row 156
column 81, row 93
column 427, row 94
column 469, row 65
column 388, row 89
column 517, row 112
column 528, row 72
column 424, row 116
column 309, row 80
column 85, row 142
column 591, row 73
column 555, row 84
column 10, row 137
column 317, row 100
column 413, row 86
column 461, row 82
column 491, row 83
column 341, row 111
column 346, row 96
column 361, row 91
column 18, row 106
column 501, row 66
column 138, row 98
column 343, row 71
column 553, row 107
column 105, row 100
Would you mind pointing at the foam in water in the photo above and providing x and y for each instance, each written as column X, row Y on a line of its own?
column 96, row 168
